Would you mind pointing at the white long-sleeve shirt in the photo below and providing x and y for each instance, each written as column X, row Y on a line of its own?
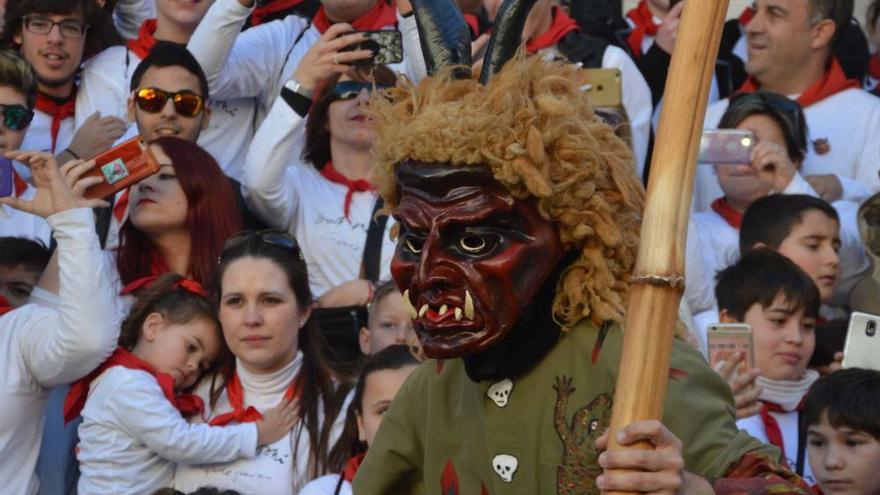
column 17, row 223
column 257, row 62
column 43, row 347
column 275, row 470
column 132, row 436
column 849, row 122
column 292, row 196
column 128, row 15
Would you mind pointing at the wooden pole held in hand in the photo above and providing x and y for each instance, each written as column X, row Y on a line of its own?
column 658, row 277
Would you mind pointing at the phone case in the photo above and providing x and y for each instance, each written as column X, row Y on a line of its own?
column 603, row 86
column 120, row 167
column 726, row 338
column 862, row 347
column 726, row 146
column 386, row 45
column 6, row 180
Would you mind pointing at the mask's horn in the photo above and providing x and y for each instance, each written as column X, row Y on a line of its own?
column 506, row 36
column 444, row 36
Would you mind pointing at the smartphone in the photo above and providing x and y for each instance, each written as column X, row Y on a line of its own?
column 386, row 45
column 728, row 338
column 603, row 86
column 120, row 167
column 6, row 177
column 726, row 146
column 862, row 347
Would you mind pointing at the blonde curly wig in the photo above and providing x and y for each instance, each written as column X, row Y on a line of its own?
column 534, row 128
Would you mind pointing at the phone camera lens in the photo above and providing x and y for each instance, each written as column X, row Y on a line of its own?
column 871, row 329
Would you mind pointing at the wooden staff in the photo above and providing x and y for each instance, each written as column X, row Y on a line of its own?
column 658, row 277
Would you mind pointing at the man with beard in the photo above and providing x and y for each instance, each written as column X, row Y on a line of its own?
column 518, row 214
column 54, row 36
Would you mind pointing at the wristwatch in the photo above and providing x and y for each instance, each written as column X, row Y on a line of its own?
column 299, row 89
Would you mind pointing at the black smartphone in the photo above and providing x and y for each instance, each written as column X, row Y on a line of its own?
column 386, row 45
column 6, row 177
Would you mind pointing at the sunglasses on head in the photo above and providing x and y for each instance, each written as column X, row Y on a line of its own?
column 16, row 117
column 186, row 103
column 348, row 90
column 272, row 237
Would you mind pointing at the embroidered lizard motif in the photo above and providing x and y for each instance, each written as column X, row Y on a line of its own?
column 579, row 466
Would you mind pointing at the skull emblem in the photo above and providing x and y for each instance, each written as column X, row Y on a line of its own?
column 499, row 392
column 505, row 466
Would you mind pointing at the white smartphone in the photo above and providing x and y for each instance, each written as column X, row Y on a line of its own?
column 727, row 338
column 862, row 347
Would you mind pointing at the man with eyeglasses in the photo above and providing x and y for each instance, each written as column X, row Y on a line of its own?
column 790, row 46
column 54, row 42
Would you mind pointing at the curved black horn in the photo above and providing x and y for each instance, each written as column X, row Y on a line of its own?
column 506, row 36
column 444, row 35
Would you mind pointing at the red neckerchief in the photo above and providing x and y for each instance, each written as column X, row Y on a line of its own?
column 562, row 25
column 187, row 404
column 874, row 66
column 474, row 23
column 145, row 41
column 158, row 266
column 644, row 26
column 5, row 307
column 240, row 414
column 832, row 83
column 727, row 212
column 260, row 13
column 20, row 186
column 382, row 15
column 360, row 185
column 57, row 112
column 771, row 426
column 352, row 466
column 746, row 16
column 121, row 206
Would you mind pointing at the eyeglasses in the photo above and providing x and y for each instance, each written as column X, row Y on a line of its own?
column 348, row 90
column 272, row 237
column 70, row 28
column 153, row 100
column 16, row 117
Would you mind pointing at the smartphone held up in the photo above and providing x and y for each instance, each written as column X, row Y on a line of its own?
column 121, row 167
column 727, row 339
column 386, row 45
column 862, row 347
column 730, row 146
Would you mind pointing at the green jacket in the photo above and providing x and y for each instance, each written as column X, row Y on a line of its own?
column 445, row 434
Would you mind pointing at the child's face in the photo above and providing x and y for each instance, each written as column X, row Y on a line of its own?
column 11, row 140
column 784, row 339
column 381, row 388
column 183, row 350
column 16, row 283
column 390, row 325
column 813, row 245
column 844, row 461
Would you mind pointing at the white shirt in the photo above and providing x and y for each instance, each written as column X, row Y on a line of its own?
column 788, row 425
column 258, row 61
column 39, row 138
column 295, row 197
column 128, row 15
column 326, row 485
column 849, row 121
column 275, row 470
column 17, row 223
column 104, row 87
column 131, row 436
column 41, row 347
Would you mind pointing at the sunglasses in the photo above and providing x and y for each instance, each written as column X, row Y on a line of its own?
column 16, row 117
column 272, row 237
column 348, row 90
column 186, row 103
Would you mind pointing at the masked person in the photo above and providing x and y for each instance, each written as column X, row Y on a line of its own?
column 517, row 216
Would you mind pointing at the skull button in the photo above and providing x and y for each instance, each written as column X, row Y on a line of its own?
column 505, row 466
column 499, row 392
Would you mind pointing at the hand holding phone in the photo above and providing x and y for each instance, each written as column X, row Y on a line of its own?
column 386, row 45
column 120, row 167
column 727, row 339
column 726, row 146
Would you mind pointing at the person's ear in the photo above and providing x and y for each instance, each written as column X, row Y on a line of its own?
column 362, row 432
column 724, row 316
column 304, row 316
column 206, row 116
column 154, row 323
column 759, row 245
column 823, row 34
column 364, row 341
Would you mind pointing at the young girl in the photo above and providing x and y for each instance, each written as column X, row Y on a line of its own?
column 133, row 431
column 381, row 378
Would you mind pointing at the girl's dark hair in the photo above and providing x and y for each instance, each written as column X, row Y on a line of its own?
column 101, row 34
column 849, row 398
column 349, row 445
column 322, row 386
column 175, row 303
column 317, row 147
column 786, row 112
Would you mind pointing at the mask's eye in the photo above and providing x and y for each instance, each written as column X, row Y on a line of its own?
column 413, row 245
column 473, row 244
